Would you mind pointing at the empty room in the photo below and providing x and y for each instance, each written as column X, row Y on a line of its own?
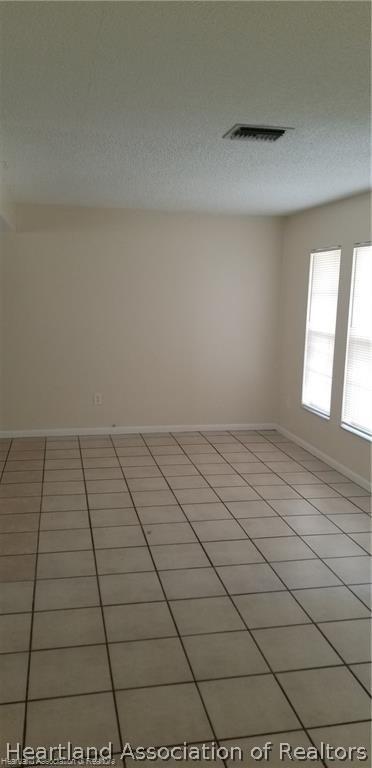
column 185, row 383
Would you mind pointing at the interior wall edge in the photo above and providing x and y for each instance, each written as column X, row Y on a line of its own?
column 129, row 430
column 364, row 482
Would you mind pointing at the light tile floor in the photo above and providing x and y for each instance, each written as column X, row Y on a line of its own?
column 193, row 587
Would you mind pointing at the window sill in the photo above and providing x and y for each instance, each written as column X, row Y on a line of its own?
column 357, row 432
column 315, row 412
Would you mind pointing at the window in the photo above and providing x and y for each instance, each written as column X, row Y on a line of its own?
column 357, row 400
column 320, row 330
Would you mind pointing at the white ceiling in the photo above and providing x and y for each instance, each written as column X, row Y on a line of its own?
column 125, row 103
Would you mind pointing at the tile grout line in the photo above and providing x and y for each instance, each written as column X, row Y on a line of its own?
column 299, row 719
column 112, row 691
column 169, row 608
column 24, row 743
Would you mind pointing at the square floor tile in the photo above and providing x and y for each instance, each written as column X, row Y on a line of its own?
column 284, row 548
column 109, row 500
column 352, row 570
column 68, row 671
column 107, row 486
column 305, row 573
column 196, row 496
column 62, row 503
column 64, row 541
column 329, row 695
column 349, row 489
column 11, row 718
column 224, row 654
column 170, row 556
column 180, row 469
column 102, row 518
column 153, row 498
column 225, row 481
column 333, row 545
column 246, row 509
column 320, row 491
column 288, row 507
column 352, row 639
column 14, row 490
column 138, row 622
column 204, row 615
column 277, row 492
column 184, row 481
column 118, row 536
column 147, row 484
column 164, row 715
column 265, row 478
column 56, row 521
column 239, row 579
column 364, row 593
column 103, row 473
column 295, row 647
column 83, row 720
column 66, row 593
column 55, row 629
column 350, row 735
column 258, row 528
column 237, row 494
column 16, row 596
column 18, row 543
column 255, row 468
column 337, row 506
column 19, row 523
column 218, row 530
column 311, row 524
column 13, row 676
column 168, row 514
column 331, row 603
column 232, row 552
column 364, row 540
column 130, row 588
column 170, row 459
column 17, row 568
column 15, row 632
column 270, row 609
column 355, row 523
column 200, row 512
column 19, row 506
column 60, row 564
column 299, row 478
column 169, row 533
column 149, row 662
column 124, row 560
column 364, row 674
column 280, row 742
column 364, row 503
column 195, row 582
column 247, row 705
column 63, row 488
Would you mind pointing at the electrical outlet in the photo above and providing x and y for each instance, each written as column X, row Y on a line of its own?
column 97, row 398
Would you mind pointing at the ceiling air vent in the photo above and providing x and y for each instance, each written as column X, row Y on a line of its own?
column 242, row 132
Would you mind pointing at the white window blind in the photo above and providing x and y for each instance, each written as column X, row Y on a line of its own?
column 357, row 400
column 320, row 330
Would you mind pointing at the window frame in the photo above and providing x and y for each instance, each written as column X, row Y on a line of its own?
column 344, row 424
column 305, row 406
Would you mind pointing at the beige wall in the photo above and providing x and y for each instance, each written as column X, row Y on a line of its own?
column 172, row 317
column 343, row 223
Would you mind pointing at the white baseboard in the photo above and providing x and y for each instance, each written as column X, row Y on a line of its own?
column 132, row 430
column 358, row 479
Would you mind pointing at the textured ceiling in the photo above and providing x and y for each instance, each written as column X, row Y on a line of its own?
column 125, row 103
